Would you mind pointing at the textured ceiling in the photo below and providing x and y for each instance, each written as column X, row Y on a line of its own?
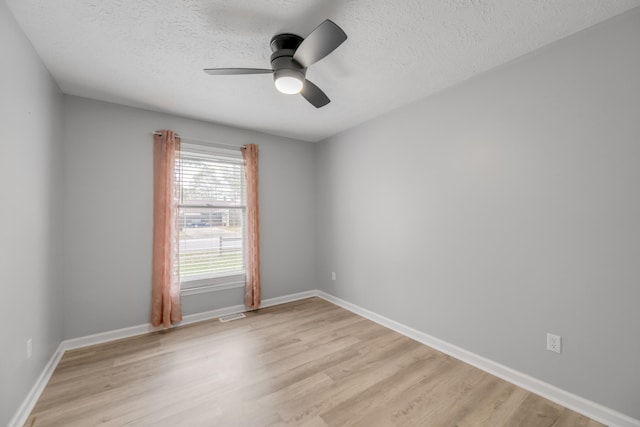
column 150, row 53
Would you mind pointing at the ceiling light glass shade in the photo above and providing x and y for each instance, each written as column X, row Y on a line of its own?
column 289, row 81
column 288, row 85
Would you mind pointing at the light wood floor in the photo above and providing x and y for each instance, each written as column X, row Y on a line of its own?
column 307, row 363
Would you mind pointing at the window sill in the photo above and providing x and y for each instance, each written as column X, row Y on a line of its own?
column 195, row 290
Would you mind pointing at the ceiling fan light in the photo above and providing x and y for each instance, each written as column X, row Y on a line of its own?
column 288, row 81
column 289, row 85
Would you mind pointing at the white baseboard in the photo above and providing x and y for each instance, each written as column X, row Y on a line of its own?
column 576, row 403
column 21, row 415
column 186, row 320
column 583, row 406
column 288, row 298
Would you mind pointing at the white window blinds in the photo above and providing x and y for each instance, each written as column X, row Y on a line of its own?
column 212, row 213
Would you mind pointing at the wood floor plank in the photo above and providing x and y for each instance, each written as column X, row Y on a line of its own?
column 573, row 419
column 497, row 407
column 536, row 412
column 300, row 410
column 377, row 396
column 308, row 363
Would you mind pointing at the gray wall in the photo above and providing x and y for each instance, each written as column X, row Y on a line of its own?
column 30, row 207
column 502, row 209
column 108, row 184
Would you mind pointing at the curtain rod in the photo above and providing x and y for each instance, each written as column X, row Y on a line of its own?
column 219, row 144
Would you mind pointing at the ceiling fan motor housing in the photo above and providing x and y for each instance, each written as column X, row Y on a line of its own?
column 282, row 62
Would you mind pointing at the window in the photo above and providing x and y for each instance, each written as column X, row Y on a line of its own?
column 211, row 218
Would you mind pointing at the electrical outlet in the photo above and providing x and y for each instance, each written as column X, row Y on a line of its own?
column 333, row 275
column 554, row 343
column 29, row 348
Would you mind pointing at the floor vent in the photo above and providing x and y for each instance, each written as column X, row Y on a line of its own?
column 230, row 317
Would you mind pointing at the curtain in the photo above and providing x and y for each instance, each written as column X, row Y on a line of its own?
column 252, row 284
column 165, row 298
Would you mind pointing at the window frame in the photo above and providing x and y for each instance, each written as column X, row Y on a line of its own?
column 225, row 280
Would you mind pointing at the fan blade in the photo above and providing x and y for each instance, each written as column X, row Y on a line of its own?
column 234, row 71
column 321, row 42
column 314, row 95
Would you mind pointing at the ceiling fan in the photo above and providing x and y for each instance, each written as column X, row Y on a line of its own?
column 291, row 57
